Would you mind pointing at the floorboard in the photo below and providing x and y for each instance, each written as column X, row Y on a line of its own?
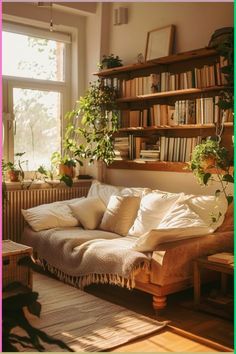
column 189, row 330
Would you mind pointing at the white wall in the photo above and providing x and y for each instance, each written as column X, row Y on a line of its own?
column 195, row 22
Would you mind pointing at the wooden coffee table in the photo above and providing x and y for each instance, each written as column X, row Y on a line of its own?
column 12, row 271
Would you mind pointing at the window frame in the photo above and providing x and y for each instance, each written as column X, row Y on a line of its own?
column 11, row 82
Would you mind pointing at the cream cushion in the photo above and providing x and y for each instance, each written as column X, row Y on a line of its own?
column 120, row 214
column 152, row 209
column 49, row 216
column 89, row 212
column 103, row 191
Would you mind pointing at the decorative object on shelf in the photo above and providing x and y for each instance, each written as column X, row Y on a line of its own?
column 210, row 155
column 65, row 165
column 97, row 113
column 110, row 61
column 140, row 58
column 159, row 42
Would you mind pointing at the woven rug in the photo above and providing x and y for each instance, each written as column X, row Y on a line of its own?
column 84, row 322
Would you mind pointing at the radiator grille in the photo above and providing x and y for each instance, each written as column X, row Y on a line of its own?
column 13, row 222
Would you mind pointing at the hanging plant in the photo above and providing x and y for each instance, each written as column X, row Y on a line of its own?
column 223, row 42
column 207, row 156
column 93, row 122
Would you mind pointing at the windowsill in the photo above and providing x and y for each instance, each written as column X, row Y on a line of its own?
column 28, row 184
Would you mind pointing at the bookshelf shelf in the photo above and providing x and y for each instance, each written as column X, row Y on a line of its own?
column 155, row 96
column 156, row 129
column 165, row 126
column 180, row 57
column 150, row 166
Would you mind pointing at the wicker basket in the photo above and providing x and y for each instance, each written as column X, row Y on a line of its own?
column 11, row 271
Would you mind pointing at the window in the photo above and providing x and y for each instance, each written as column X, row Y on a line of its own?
column 35, row 77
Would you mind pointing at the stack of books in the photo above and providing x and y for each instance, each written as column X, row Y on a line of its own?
column 223, row 257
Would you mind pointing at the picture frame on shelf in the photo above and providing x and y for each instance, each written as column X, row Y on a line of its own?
column 159, row 42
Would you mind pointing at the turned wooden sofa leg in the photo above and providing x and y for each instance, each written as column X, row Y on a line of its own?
column 159, row 303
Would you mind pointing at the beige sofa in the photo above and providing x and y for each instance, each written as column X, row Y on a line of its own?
column 170, row 264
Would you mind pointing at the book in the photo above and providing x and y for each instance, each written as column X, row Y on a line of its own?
column 223, row 257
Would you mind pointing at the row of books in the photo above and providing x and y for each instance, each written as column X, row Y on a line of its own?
column 199, row 111
column 174, row 149
column 206, row 76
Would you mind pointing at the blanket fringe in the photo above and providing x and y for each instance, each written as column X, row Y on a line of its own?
column 84, row 280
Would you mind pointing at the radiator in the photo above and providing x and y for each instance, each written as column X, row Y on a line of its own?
column 13, row 222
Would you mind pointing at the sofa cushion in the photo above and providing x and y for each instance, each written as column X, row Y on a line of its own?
column 49, row 216
column 190, row 216
column 120, row 214
column 135, row 191
column 103, row 191
column 89, row 212
column 152, row 209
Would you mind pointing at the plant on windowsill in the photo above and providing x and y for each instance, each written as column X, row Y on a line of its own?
column 66, row 167
column 209, row 156
column 15, row 170
column 93, row 123
column 110, row 61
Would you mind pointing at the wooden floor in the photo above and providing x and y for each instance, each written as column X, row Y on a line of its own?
column 189, row 331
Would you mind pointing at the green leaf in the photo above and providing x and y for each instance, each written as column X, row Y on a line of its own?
column 206, row 178
column 230, row 199
column 228, row 178
column 67, row 180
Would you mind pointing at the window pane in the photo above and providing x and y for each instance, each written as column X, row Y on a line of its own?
column 38, row 125
column 31, row 57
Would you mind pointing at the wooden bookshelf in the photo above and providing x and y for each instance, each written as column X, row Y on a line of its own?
column 150, row 166
column 203, row 63
column 201, row 53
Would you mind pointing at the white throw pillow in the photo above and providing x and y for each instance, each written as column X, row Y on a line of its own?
column 103, row 191
column 49, row 216
column 120, row 214
column 152, row 209
column 189, row 217
column 211, row 209
column 89, row 212
column 135, row 191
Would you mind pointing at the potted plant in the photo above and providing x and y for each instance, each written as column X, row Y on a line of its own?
column 15, row 170
column 110, row 61
column 207, row 156
column 98, row 120
column 223, row 41
column 66, row 167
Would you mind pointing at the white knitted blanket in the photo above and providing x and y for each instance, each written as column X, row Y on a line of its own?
column 82, row 257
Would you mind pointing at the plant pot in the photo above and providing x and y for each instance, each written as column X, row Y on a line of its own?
column 67, row 170
column 208, row 162
column 14, row 176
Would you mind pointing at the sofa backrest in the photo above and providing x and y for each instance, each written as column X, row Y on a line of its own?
column 228, row 224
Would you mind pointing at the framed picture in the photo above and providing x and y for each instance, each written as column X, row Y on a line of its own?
column 159, row 42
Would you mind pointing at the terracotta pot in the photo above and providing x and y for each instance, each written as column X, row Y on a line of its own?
column 14, row 176
column 67, row 170
column 208, row 162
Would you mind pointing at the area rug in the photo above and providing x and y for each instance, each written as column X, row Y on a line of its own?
column 84, row 322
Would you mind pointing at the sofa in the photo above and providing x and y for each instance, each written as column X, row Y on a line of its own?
column 131, row 237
